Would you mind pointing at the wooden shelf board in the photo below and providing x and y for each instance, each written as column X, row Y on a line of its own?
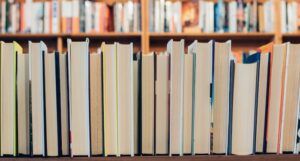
column 270, row 157
column 217, row 36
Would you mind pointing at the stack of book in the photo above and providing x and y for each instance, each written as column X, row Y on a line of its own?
column 69, row 16
column 211, row 16
column 115, row 102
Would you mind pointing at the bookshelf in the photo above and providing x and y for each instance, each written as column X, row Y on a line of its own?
column 146, row 41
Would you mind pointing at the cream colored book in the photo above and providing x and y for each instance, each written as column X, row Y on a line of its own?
column 52, row 104
column 221, row 97
column 147, row 103
column 36, row 55
column 262, row 101
column 125, row 99
column 96, row 103
column 290, row 101
column 202, row 103
column 244, row 94
column 78, row 62
column 162, row 104
column 9, row 53
column 110, row 99
column 188, row 103
column 136, row 100
column 23, row 103
column 176, row 51
column 276, row 94
column 64, row 105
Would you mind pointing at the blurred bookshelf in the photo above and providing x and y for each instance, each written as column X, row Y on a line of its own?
column 147, row 41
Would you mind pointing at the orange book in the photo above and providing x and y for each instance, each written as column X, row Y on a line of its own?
column 75, row 17
column 66, row 17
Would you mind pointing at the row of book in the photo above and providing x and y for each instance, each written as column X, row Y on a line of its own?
column 211, row 16
column 290, row 16
column 69, row 16
column 113, row 102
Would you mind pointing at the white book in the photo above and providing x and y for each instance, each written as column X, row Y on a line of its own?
column 202, row 102
column 176, row 51
column 55, row 16
column 284, row 15
column 78, row 61
column 47, row 17
column 232, row 16
column 125, row 98
column 36, row 54
column 156, row 16
column 9, row 97
column 110, row 99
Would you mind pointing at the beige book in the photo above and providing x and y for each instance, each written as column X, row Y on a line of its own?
column 64, row 104
column 162, row 104
column 9, row 97
column 262, row 101
column 176, row 51
column 148, row 103
column 136, row 104
column 110, row 99
column 51, row 104
column 290, row 103
column 221, row 97
column 275, row 98
column 78, row 62
column 96, row 103
column 243, row 108
column 23, row 103
column 187, row 103
column 125, row 98
column 202, row 107
column 36, row 54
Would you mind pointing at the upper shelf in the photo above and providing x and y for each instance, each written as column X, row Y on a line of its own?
column 215, row 36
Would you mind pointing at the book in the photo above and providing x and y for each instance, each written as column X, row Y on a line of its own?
column 220, row 105
column 125, row 99
column 137, row 101
column 64, row 104
column 263, row 86
column 162, row 103
column 9, row 136
column 37, row 53
column 110, row 99
column 147, row 97
column 188, row 102
column 202, row 96
column 78, row 62
column 23, row 103
column 277, row 75
column 96, row 103
column 290, row 100
column 176, row 51
column 243, row 108
column 189, row 17
column 52, row 104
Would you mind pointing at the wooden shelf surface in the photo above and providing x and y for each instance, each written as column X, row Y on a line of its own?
column 270, row 157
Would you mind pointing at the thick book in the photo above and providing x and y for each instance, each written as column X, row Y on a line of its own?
column 125, row 99
column 9, row 53
column 23, row 103
column 36, row 54
column 148, row 103
column 188, row 103
column 52, row 104
column 176, row 51
column 221, row 79
column 110, row 99
column 264, row 66
column 202, row 96
column 78, row 62
column 243, row 108
column 162, row 103
column 276, row 93
column 96, row 103
column 290, row 101
column 64, row 104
